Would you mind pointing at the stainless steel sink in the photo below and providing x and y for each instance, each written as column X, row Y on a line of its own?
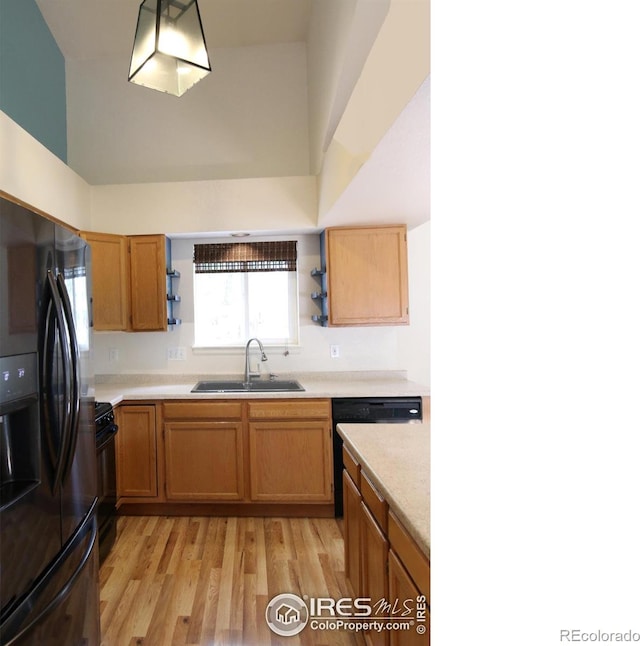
column 256, row 386
column 275, row 386
column 218, row 386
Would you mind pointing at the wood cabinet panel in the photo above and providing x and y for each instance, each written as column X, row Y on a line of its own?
column 402, row 588
column 203, row 410
column 351, row 466
column 204, row 461
column 375, row 502
column 110, row 276
column 389, row 565
column 351, row 529
column 290, row 461
column 148, row 268
column 129, row 281
column 411, row 555
column 290, row 409
column 374, row 575
column 136, row 463
column 367, row 275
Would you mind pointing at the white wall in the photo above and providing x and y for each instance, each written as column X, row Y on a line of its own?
column 251, row 113
column 374, row 348
column 257, row 204
column 397, row 65
column 31, row 173
column 414, row 341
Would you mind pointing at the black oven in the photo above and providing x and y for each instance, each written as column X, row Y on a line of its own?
column 106, row 430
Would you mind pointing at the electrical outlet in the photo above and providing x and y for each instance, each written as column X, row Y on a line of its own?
column 335, row 351
column 114, row 355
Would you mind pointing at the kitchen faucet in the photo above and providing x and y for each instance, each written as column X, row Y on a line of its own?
column 247, row 372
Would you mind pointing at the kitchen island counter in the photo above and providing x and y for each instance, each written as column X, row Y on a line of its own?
column 396, row 458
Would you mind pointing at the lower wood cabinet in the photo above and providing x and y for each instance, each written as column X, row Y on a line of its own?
column 382, row 561
column 136, row 451
column 226, row 456
column 401, row 586
column 290, row 461
column 351, row 529
column 374, row 548
column 290, row 451
column 204, row 461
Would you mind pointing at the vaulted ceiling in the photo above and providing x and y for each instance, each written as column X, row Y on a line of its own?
column 293, row 83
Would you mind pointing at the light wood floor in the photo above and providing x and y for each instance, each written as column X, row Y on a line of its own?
column 206, row 581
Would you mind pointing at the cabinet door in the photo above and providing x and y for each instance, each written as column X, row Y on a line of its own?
column 351, row 528
column 204, row 461
column 136, row 451
column 110, row 275
column 402, row 588
column 374, row 576
column 290, row 461
column 367, row 275
column 148, row 282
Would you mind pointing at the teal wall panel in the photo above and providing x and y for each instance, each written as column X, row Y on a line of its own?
column 32, row 75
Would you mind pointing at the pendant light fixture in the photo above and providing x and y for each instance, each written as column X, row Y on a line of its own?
column 169, row 52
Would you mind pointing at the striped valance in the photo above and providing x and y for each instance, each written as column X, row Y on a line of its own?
column 225, row 257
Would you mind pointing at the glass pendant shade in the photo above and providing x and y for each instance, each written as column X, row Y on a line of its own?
column 169, row 52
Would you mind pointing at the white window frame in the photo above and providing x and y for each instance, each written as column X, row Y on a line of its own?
column 294, row 320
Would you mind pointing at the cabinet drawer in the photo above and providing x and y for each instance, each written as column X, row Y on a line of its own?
column 411, row 556
column 376, row 503
column 351, row 466
column 203, row 410
column 290, row 409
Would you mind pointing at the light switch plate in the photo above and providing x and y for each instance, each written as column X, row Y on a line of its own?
column 335, row 351
column 177, row 354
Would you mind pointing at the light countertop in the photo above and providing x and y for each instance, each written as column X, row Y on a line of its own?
column 396, row 458
column 118, row 388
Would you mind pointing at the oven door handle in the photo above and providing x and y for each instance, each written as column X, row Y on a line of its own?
column 104, row 438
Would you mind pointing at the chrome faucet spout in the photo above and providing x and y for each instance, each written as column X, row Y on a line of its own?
column 263, row 357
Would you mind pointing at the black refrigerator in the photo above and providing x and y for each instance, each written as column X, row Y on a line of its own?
column 48, row 529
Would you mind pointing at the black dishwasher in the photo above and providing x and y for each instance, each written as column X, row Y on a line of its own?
column 367, row 410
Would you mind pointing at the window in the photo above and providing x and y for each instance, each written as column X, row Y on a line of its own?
column 242, row 290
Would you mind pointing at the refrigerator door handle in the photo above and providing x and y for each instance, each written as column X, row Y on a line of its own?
column 74, row 356
column 55, row 319
column 12, row 628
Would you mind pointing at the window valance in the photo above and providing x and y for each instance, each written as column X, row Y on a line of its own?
column 227, row 257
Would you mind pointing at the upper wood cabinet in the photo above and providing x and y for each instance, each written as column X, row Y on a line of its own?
column 365, row 278
column 129, row 281
column 110, row 268
column 148, row 270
